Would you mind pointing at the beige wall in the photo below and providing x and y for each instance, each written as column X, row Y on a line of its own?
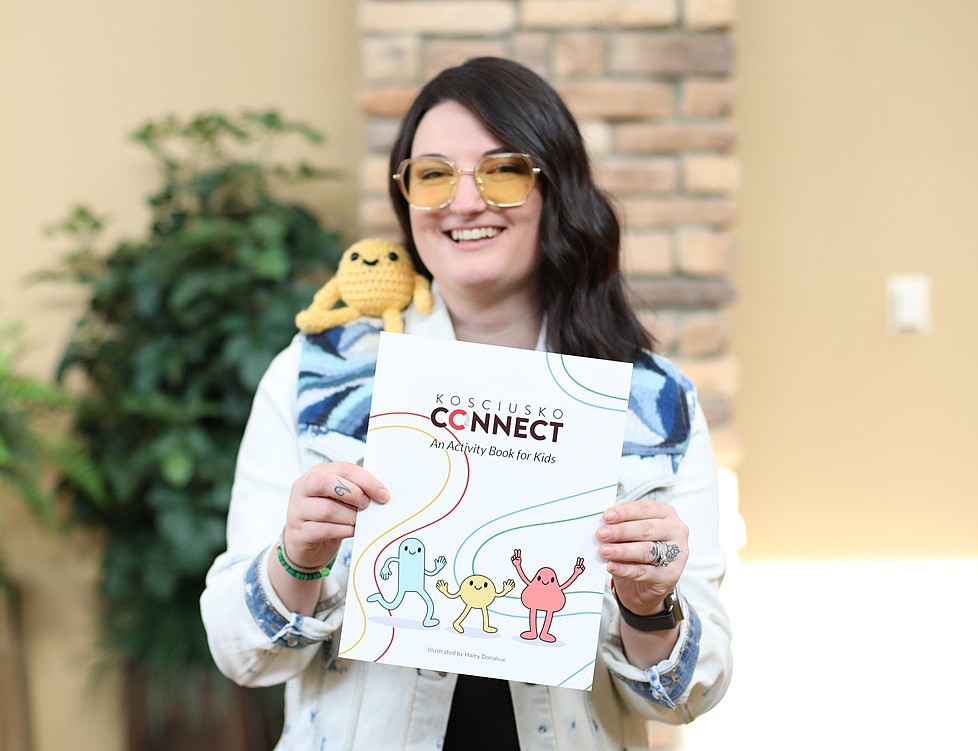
column 858, row 132
column 74, row 80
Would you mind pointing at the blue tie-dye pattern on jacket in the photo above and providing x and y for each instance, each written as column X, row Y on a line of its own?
column 336, row 375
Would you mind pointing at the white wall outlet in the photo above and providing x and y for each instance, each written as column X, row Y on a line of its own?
column 908, row 304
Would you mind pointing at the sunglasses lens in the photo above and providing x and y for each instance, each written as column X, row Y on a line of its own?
column 428, row 182
column 505, row 179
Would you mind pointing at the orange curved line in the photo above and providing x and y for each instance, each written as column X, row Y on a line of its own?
column 356, row 593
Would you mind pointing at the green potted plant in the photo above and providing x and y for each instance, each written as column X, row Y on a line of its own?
column 34, row 451
column 180, row 325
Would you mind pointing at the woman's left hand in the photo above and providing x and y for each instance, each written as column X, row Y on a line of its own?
column 627, row 541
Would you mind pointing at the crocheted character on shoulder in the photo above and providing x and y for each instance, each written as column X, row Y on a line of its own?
column 375, row 278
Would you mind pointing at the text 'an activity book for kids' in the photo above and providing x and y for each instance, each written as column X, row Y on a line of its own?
column 500, row 463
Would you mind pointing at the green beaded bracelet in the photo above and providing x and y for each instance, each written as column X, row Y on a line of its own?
column 323, row 572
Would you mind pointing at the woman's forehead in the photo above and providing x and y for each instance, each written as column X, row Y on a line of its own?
column 450, row 130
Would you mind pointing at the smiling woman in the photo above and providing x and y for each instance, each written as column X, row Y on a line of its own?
column 493, row 190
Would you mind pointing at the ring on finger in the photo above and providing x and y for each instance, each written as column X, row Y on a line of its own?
column 663, row 553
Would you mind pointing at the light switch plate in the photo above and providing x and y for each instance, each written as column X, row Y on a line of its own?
column 908, row 304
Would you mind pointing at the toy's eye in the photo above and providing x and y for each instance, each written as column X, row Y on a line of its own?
column 539, row 579
column 552, row 580
column 392, row 256
column 471, row 583
column 406, row 549
column 354, row 256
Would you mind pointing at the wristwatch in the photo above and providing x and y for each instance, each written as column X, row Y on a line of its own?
column 665, row 619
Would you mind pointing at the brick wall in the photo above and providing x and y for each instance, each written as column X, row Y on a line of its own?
column 650, row 82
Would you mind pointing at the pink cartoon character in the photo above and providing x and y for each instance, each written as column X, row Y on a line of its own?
column 543, row 593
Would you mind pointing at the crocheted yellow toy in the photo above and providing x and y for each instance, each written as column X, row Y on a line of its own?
column 375, row 278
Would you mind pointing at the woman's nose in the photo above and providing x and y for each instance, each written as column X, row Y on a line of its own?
column 468, row 198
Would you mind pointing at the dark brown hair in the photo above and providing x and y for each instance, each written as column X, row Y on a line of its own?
column 581, row 286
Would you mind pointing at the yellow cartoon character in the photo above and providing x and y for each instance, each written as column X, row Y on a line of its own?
column 476, row 592
column 375, row 278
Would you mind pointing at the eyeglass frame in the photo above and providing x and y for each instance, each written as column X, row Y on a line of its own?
column 399, row 177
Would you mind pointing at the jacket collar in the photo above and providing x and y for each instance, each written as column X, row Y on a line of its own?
column 336, row 373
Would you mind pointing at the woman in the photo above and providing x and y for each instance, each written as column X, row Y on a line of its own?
column 493, row 190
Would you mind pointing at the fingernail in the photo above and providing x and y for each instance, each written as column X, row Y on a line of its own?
column 611, row 568
column 384, row 495
column 605, row 551
column 611, row 515
column 604, row 533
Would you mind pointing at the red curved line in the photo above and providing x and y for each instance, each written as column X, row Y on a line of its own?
column 391, row 642
column 468, row 474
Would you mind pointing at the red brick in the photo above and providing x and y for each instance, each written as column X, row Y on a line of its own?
column 647, row 138
column 672, row 53
column 557, row 14
column 376, row 215
column 705, row 253
column 375, row 174
column 711, row 174
column 708, row 14
column 532, row 49
column 637, row 175
column 707, row 98
column 647, row 253
column 662, row 326
column 597, row 136
column 578, row 53
column 714, row 376
column 388, row 102
column 390, row 58
column 704, row 333
column 481, row 17
column 648, row 213
column 617, row 99
column 446, row 53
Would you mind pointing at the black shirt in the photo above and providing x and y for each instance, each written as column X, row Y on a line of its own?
column 482, row 716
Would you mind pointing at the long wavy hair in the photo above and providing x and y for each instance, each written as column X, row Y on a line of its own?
column 581, row 287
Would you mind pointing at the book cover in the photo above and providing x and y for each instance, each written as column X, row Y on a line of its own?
column 499, row 462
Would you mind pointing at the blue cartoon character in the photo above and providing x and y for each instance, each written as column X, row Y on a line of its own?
column 410, row 577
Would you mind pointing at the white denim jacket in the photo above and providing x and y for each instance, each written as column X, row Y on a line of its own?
column 334, row 703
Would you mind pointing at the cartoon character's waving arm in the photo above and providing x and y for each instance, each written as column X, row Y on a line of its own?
column 385, row 572
column 439, row 565
column 517, row 559
column 578, row 570
column 507, row 587
column 442, row 586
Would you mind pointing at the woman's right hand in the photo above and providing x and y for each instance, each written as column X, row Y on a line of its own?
column 323, row 508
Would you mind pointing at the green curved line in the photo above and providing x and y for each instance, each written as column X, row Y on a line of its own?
column 527, row 526
column 619, row 398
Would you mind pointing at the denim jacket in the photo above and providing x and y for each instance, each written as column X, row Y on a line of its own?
column 300, row 418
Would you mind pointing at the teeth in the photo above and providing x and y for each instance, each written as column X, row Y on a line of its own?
column 476, row 233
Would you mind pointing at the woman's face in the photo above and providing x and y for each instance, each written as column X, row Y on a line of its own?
column 504, row 257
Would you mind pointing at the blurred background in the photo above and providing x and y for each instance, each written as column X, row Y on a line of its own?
column 797, row 182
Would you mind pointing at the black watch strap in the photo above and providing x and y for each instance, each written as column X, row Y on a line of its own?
column 665, row 619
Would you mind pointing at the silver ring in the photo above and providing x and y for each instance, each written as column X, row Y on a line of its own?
column 663, row 553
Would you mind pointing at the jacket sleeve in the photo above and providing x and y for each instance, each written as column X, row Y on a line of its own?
column 695, row 676
column 254, row 639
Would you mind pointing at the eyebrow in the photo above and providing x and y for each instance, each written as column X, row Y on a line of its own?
column 497, row 150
